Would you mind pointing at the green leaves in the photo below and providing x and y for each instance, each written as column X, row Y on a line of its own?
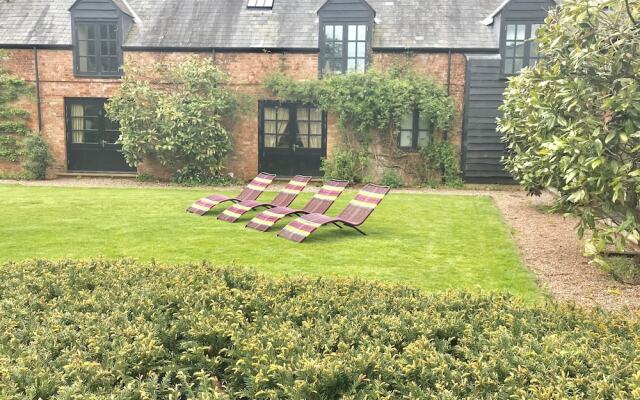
column 174, row 113
column 123, row 330
column 571, row 122
column 371, row 101
column 13, row 120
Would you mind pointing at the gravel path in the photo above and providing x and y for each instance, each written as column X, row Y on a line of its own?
column 548, row 243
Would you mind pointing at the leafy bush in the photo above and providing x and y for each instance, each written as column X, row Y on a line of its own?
column 349, row 165
column 374, row 100
column 103, row 330
column 37, row 156
column 441, row 165
column 573, row 121
column 174, row 114
column 391, row 178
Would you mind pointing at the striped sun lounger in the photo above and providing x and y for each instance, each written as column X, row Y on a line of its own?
column 250, row 192
column 354, row 215
column 319, row 204
column 283, row 199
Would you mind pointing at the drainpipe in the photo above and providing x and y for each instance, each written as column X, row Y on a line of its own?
column 213, row 55
column 38, row 103
column 448, row 85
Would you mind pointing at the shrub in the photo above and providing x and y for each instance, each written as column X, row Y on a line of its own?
column 349, row 165
column 573, row 121
column 174, row 114
column 441, row 165
column 391, row 178
column 37, row 156
column 119, row 330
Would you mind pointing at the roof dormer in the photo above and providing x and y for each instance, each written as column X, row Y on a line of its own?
column 99, row 29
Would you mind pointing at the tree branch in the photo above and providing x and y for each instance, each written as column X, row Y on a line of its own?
column 626, row 2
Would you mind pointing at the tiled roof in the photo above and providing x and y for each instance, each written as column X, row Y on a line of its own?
column 447, row 24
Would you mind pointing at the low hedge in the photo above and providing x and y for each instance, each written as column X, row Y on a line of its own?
column 121, row 330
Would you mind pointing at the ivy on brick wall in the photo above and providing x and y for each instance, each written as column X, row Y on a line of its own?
column 17, row 142
column 369, row 107
column 371, row 102
column 13, row 120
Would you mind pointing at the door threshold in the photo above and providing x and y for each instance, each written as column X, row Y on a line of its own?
column 80, row 174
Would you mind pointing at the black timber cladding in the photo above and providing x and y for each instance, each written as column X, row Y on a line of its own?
column 482, row 149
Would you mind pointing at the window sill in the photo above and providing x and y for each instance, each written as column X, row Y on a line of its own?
column 89, row 76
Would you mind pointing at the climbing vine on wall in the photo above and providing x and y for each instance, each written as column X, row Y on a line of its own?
column 13, row 120
column 369, row 107
column 370, row 102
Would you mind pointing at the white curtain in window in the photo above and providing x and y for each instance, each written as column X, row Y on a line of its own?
column 77, row 122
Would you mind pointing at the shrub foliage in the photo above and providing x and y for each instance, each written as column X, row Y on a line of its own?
column 371, row 101
column 573, row 122
column 102, row 330
column 174, row 113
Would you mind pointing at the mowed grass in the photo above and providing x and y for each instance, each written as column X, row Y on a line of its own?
column 433, row 242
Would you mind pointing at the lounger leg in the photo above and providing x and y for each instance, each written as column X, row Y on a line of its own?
column 336, row 224
column 356, row 228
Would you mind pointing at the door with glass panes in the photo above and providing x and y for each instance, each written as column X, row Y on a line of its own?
column 292, row 138
column 92, row 138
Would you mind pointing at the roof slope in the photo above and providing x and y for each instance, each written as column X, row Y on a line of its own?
column 229, row 24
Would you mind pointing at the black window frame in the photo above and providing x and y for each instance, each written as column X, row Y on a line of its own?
column 99, row 73
column 345, row 45
column 528, row 42
column 292, row 107
column 104, row 124
column 415, row 130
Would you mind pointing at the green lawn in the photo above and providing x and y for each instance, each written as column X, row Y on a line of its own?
column 430, row 241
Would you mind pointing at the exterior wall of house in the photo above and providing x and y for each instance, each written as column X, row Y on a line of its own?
column 248, row 70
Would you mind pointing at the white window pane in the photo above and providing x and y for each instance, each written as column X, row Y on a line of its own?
column 361, row 49
column 520, row 50
column 315, row 142
column 338, row 32
column 269, row 113
column 518, row 63
column 353, row 32
column 270, row 127
column 316, row 114
column 511, row 32
column 328, row 32
column 360, row 65
column 406, row 139
column 283, row 114
column 302, row 114
column 270, row 141
column 351, row 65
column 522, row 31
column 423, row 123
column 362, row 32
column 423, row 138
column 407, row 121
column 352, row 49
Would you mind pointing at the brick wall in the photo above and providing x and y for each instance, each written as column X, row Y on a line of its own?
column 247, row 70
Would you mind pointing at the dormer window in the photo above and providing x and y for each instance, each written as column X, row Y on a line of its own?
column 345, row 48
column 99, row 29
column 346, row 30
column 97, row 48
column 260, row 4
column 519, row 48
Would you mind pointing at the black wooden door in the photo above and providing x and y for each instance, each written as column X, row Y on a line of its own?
column 92, row 138
column 292, row 138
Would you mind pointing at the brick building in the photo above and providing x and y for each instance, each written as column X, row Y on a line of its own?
column 72, row 52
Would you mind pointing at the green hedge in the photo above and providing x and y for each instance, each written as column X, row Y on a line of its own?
column 101, row 330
